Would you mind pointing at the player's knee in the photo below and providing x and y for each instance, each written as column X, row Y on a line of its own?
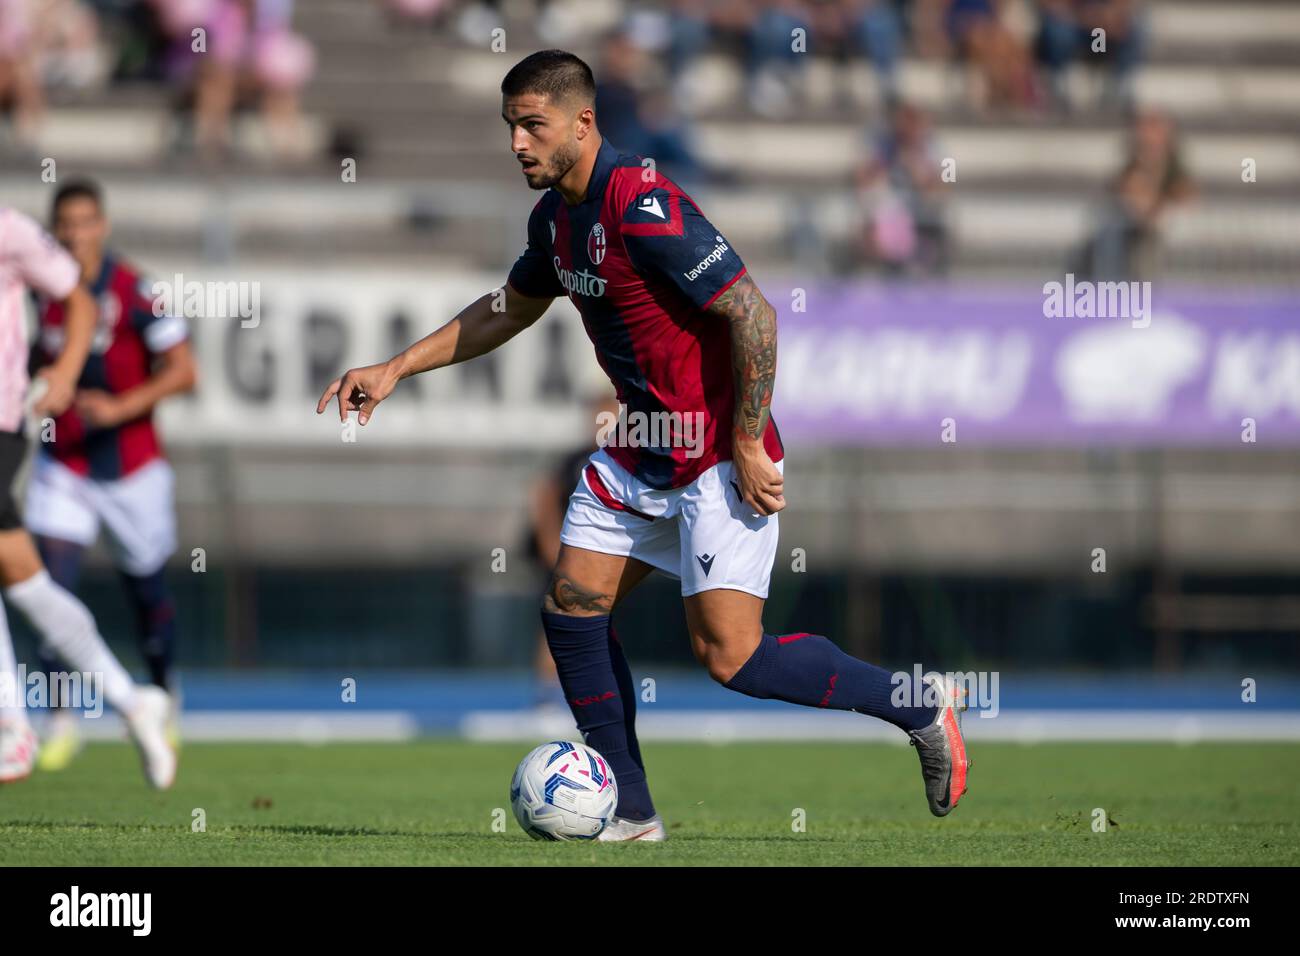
column 720, row 658
column 62, row 559
column 723, row 667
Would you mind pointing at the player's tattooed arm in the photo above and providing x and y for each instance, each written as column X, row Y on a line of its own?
column 753, row 353
column 753, row 365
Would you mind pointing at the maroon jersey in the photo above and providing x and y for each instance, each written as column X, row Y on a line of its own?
column 642, row 265
column 127, row 336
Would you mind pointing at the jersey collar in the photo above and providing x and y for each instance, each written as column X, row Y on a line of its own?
column 606, row 157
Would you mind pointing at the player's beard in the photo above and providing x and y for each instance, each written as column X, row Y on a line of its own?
column 565, row 157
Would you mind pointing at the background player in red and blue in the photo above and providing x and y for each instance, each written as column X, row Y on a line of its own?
column 685, row 337
column 105, row 467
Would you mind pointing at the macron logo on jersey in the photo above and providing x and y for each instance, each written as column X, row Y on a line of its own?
column 703, row 265
column 651, row 205
column 655, row 212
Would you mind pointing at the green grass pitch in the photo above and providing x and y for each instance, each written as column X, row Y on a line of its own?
column 432, row 803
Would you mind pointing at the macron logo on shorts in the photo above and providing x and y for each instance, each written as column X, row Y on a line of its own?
column 706, row 562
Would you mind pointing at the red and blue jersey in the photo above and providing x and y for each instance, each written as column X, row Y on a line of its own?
column 642, row 265
column 128, row 334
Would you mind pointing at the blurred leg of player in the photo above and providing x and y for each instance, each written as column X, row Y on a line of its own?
column 139, row 519
column 64, row 624
column 18, row 745
column 155, row 614
column 65, row 511
column 61, row 739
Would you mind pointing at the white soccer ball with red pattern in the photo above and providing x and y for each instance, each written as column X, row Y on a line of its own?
column 563, row 791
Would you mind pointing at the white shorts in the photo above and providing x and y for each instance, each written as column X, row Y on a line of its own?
column 701, row 533
column 137, row 512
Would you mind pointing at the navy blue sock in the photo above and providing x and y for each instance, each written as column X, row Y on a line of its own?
column 156, row 618
column 62, row 559
column 808, row 669
column 598, row 686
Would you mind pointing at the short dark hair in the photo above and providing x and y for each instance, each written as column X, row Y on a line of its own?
column 84, row 188
column 555, row 74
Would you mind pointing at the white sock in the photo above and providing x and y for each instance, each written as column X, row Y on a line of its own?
column 68, row 629
column 12, row 693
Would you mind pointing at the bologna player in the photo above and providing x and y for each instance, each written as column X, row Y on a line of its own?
column 685, row 336
column 105, row 467
column 30, row 259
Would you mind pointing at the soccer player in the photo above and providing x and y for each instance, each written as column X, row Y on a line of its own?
column 105, row 466
column 30, row 258
column 684, row 334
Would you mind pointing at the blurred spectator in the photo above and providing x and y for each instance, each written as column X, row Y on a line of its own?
column 635, row 115
column 44, row 44
column 695, row 27
column 759, row 35
column 1153, row 180
column 901, row 196
column 140, row 44
column 249, row 50
column 20, row 89
column 67, row 45
column 976, row 32
column 876, row 30
column 691, row 26
column 477, row 20
column 773, row 63
column 1065, row 29
column 417, row 9
column 862, row 29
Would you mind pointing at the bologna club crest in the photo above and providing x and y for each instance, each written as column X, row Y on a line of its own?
column 596, row 244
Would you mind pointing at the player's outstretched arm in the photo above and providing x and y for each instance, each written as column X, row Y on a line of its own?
column 753, row 364
column 483, row 325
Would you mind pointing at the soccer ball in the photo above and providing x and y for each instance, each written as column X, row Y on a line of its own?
column 563, row 791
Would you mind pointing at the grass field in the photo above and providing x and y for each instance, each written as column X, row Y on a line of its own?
column 432, row 803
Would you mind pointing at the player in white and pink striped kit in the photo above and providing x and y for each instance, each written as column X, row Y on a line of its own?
column 31, row 259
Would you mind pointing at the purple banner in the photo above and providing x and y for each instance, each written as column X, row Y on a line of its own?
column 1072, row 365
